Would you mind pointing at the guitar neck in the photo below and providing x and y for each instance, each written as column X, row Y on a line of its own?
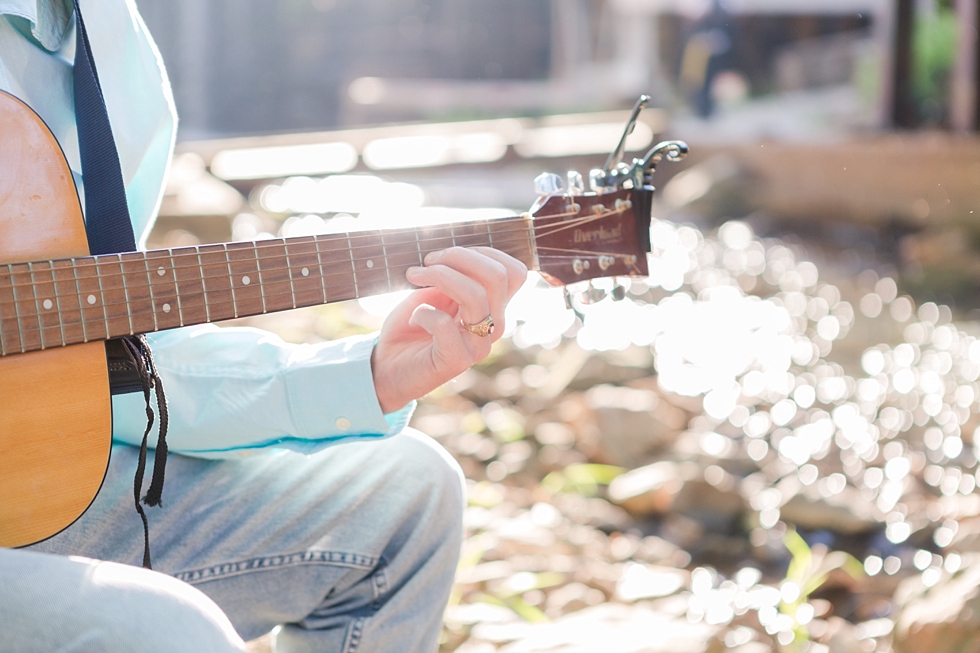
column 47, row 304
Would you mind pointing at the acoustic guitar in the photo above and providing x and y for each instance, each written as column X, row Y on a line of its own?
column 58, row 304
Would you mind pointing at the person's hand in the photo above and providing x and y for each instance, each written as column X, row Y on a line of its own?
column 422, row 343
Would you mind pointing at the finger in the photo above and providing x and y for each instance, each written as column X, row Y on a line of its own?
column 451, row 353
column 474, row 304
column 402, row 313
column 487, row 271
column 516, row 270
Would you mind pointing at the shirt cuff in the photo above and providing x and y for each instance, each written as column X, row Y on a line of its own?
column 331, row 399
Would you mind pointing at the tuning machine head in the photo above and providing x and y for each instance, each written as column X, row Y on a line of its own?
column 548, row 183
column 617, row 174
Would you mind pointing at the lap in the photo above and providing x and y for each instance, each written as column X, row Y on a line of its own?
column 265, row 535
column 55, row 603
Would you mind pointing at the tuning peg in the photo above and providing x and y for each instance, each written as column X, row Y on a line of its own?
column 618, row 293
column 617, row 155
column 576, row 185
column 548, row 183
column 592, row 295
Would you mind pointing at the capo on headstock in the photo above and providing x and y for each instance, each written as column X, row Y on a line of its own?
column 604, row 232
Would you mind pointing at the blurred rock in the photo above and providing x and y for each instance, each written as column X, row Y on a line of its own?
column 840, row 637
column 967, row 537
column 614, row 628
column 593, row 511
column 845, row 512
column 944, row 618
column 648, row 490
column 633, row 424
column 648, row 582
column 674, row 487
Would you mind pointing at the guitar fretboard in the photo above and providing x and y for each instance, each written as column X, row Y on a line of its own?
column 46, row 304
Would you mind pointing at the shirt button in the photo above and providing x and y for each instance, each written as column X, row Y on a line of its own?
column 342, row 423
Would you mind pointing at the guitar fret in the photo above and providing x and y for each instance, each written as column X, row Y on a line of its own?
column 13, row 295
column 17, row 311
column 129, row 311
column 173, row 266
column 486, row 224
column 258, row 269
column 204, row 285
column 357, row 293
column 153, row 301
column 163, row 292
column 81, row 309
column 319, row 261
column 289, row 270
column 105, row 312
column 57, row 303
column 37, row 305
column 234, row 302
column 215, row 283
column 245, row 277
column 384, row 255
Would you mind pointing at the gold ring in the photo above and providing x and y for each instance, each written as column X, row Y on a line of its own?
column 482, row 329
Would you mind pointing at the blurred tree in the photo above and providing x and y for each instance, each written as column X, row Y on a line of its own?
column 934, row 49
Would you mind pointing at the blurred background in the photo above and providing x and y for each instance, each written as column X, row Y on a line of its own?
column 766, row 445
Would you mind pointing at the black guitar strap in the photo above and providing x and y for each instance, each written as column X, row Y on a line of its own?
column 110, row 231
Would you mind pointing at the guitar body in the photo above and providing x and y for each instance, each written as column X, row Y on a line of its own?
column 53, row 455
column 58, row 304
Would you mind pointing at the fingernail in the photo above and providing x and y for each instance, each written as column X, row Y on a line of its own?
column 413, row 272
column 432, row 257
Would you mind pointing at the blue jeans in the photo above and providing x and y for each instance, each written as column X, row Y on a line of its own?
column 351, row 549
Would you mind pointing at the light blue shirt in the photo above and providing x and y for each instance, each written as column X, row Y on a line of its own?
column 231, row 391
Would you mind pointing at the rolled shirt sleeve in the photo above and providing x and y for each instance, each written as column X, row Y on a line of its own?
column 231, row 391
column 237, row 390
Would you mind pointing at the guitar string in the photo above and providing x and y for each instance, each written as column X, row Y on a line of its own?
column 194, row 293
column 187, row 253
column 284, row 245
column 203, row 278
column 100, row 322
column 100, row 265
column 201, row 292
column 35, row 346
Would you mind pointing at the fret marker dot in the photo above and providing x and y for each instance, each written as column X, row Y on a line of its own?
column 166, row 308
column 161, row 271
column 246, row 280
column 305, row 272
column 370, row 264
column 47, row 304
column 90, row 299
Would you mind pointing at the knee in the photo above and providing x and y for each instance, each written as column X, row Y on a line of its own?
column 148, row 604
column 108, row 606
column 438, row 478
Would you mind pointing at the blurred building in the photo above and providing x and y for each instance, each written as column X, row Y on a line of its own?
column 255, row 66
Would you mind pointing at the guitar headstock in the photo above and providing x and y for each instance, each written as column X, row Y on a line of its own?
column 604, row 232
column 583, row 237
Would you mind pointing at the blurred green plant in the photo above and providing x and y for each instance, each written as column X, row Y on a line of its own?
column 511, row 596
column 934, row 44
column 808, row 570
column 582, row 478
